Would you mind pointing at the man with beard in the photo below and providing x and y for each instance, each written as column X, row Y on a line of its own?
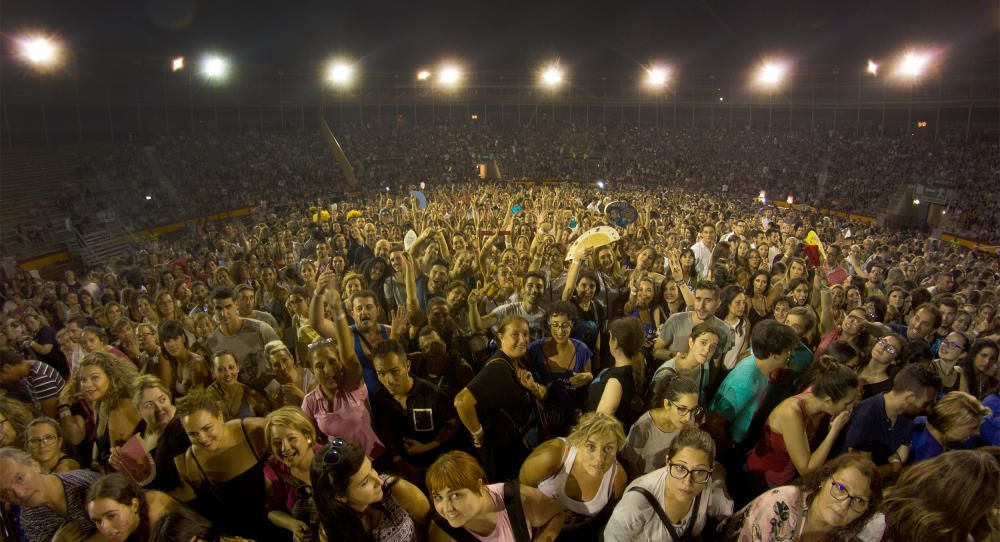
column 244, row 338
column 527, row 307
column 673, row 334
column 244, row 303
column 366, row 329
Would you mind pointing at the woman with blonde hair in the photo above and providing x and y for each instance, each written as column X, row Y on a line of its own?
column 106, row 383
column 581, row 471
column 953, row 419
column 949, row 498
column 292, row 441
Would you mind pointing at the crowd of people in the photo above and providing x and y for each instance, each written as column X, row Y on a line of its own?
column 218, row 172
column 491, row 367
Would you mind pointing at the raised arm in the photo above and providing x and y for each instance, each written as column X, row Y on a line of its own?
column 317, row 310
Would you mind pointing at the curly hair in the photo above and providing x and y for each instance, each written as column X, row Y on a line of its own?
column 121, row 376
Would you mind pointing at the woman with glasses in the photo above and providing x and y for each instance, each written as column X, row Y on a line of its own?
column 679, row 501
column 45, row 444
column 952, row 349
column 801, row 431
column 292, row 441
column 561, row 364
column 357, row 504
column 674, row 407
column 876, row 376
column 581, row 472
column 829, row 504
column 222, row 472
column 149, row 348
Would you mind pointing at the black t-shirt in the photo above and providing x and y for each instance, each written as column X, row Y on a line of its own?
column 173, row 442
column 55, row 357
column 624, row 377
column 427, row 412
column 455, row 376
column 496, row 388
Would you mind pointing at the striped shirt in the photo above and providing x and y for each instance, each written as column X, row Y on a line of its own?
column 43, row 382
column 40, row 523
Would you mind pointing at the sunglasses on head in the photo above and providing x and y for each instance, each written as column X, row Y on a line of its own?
column 333, row 455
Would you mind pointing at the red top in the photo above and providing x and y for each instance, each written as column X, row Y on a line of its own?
column 770, row 457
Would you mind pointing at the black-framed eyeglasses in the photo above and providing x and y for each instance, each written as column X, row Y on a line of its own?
column 892, row 350
column 42, row 441
column 687, row 411
column 681, row 472
column 839, row 491
column 333, row 455
column 953, row 345
column 560, row 325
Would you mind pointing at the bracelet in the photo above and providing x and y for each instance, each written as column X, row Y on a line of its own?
column 340, row 316
column 64, row 413
column 478, row 432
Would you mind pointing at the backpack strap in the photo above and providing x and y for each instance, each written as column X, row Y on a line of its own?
column 515, row 511
column 655, row 505
column 456, row 533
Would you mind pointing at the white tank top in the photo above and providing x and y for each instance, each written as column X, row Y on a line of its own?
column 581, row 512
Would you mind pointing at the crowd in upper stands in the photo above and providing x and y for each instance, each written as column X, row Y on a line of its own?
column 212, row 173
column 492, row 367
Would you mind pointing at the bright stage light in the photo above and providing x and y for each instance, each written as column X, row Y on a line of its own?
column 423, row 75
column 872, row 67
column 657, row 76
column 790, row 199
column 916, row 202
column 214, row 67
column 450, row 76
column 39, row 51
column 600, row 184
column 771, row 74
column 913, row 64
column 340, row 73
column 552, row 76
column 177, row 64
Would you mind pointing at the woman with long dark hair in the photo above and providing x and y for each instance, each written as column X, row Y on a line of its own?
column 122, row 511
column 357, row 504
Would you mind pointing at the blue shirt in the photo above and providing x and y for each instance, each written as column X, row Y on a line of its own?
column 923, row 445
column 740, row 395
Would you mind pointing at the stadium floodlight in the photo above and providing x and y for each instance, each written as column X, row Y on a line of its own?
column 552, row 76
column 450, row 76
column 214, row 67
column 177, row 64
column 913, row 64
column 39, row 51
column 872, row 67
column 340, row 73
column 423, row 75
column 771, row 74
column 656, row 77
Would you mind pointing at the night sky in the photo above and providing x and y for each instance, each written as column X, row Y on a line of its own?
column 515, row 35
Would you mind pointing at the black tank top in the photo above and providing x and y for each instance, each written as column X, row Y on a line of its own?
column 238, row 506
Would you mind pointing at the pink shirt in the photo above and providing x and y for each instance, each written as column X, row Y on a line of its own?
column 347, row 416
column 503, row 531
